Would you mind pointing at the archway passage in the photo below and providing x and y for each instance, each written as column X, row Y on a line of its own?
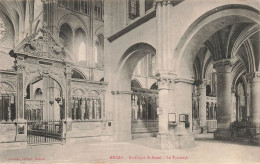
column 144, row 120
column 122, row 86
column 44, row 110
column 224, row 35
column 42, row 101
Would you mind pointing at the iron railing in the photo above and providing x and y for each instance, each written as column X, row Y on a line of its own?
column 44, row 131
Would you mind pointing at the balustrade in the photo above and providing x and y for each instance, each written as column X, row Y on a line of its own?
column 86, row 108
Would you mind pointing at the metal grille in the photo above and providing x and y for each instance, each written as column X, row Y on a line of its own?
column 44, row 132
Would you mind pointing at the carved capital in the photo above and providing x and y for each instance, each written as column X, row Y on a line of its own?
column 223, row 66
column 165, row 81
column 19, row 66
column 68, row 72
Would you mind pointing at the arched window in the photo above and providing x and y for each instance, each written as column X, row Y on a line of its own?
column 99, row 51
column 38, row 94
column 241, row 109
column 82, row 52
column 152, row 65
column 76, row 5
column 133, row 7
column 135, row 84
column 154, row 86
column 80, row 45
column 96, row 54
column 65, row 37
column 98, row 9
column 208, row 90
column 77, row 75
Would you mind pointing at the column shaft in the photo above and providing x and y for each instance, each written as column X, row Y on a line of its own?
column 20, row 96
column 68, row 112
column 202, row 104
column 224, row 82
column 254, row 98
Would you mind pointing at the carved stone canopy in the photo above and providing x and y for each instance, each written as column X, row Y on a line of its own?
column 41, row 45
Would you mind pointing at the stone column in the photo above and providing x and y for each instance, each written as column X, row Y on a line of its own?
column 234, row 105
column 165, row 76
column 202, row 103
column 163, row 110
column 224, row 98
column 122, row 115
column 164, row 28
column 21, row 127
column 50, row 12
column 181, row 134
column 68, row 109
column 254, row 103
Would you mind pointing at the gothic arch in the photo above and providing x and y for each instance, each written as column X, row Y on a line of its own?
column 66, row 33
column 154, row 86
column 128, row 62
column 70, row 19
column 80, row 75
column 99, row 30
column 38, row 78
column 7, row 86
column 121, row 86
column 204, row 27
column 136, row 84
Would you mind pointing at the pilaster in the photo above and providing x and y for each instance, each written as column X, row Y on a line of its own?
column 20, row 68
column 21, row 128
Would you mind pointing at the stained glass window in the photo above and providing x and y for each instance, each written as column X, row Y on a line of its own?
column 133, row 9
column 2, row 28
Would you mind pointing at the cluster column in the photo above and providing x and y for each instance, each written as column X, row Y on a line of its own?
column 224, row 98
column 163, row 66
column 50, row 11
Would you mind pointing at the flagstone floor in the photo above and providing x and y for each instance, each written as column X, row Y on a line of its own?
column 141, row 150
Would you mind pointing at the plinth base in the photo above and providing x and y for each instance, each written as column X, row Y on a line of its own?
column 170, row 141
column 181, row 141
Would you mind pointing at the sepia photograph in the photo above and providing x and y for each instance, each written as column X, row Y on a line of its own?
column 130, row 81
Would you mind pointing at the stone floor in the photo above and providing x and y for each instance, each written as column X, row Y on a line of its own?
column 137, row 151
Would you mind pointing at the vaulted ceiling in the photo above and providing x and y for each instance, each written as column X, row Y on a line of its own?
column 238, row 42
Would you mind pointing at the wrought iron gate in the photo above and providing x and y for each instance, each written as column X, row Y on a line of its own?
column 44, row 132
